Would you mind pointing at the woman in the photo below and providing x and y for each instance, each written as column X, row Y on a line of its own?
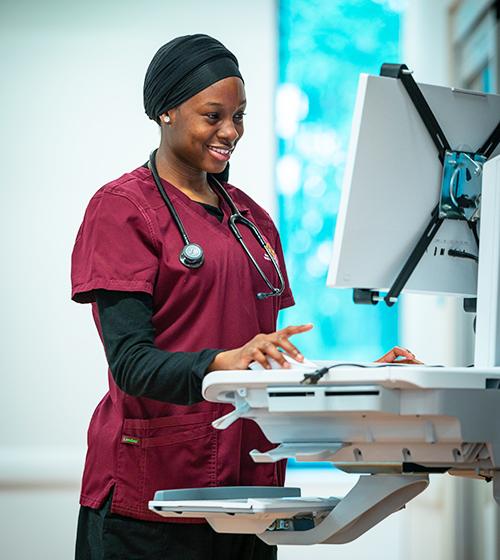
column 171, row 306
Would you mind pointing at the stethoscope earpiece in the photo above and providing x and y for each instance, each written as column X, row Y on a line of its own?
column 192, row 255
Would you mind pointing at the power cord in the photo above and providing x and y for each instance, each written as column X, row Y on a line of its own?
column 315, row 376
column 462, row 254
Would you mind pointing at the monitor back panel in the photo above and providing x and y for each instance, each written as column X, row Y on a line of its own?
column 392, row 182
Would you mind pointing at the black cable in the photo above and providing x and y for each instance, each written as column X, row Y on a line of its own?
column 462, row 254
column 315, row 376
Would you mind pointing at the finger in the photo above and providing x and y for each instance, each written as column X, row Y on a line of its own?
column 295, row 329
column 399, row 351
column 414, row 362
column 256, row 355
column 395, row 353
column 271, row 350
column 283, row 342
column 281, row 339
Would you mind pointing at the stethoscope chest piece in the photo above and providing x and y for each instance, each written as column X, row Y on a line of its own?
column 192, row 255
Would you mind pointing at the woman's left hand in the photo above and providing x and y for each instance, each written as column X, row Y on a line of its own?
column 399, row 355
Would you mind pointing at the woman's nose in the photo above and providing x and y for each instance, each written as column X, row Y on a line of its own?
column 228, row 132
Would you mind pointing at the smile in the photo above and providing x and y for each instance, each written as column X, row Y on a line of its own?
column 220, row 153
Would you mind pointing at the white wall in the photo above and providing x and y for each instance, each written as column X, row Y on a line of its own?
column 72, row 119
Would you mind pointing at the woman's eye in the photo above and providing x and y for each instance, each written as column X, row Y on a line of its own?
column 212, row 116
column 239, row 117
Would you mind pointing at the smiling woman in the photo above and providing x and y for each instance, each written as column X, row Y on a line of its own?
column 201, row 135
column 165, row 323
column 169, row 312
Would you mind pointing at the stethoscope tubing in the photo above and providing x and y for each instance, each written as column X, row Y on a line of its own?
column 256, row 233
column 234, row 218
column 166, row 198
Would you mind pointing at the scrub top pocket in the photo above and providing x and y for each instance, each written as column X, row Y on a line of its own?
column 162, row 454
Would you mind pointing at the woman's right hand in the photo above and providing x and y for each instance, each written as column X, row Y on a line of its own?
column 260, row 348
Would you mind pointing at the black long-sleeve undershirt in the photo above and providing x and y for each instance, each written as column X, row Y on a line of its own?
column 138, row 367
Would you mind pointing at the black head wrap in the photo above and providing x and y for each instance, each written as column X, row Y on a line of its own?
column 184, row 67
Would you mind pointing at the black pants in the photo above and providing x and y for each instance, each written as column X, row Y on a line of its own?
column 103, row 535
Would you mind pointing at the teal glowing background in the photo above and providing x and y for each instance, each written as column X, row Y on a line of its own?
column 323, row 46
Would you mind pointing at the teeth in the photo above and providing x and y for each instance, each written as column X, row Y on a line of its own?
column 220, row 150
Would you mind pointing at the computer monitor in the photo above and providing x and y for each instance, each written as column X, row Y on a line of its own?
column 392, row 182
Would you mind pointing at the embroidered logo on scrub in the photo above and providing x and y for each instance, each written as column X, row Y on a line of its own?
column 271, row 251
column 131, row 440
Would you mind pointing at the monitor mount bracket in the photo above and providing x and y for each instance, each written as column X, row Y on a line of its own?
column 460, row 186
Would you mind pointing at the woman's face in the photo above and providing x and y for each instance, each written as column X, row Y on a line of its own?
column 205, row 129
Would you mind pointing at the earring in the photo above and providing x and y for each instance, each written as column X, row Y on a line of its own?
column 166, row 119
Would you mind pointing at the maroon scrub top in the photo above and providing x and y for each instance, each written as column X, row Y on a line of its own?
column 128, row 241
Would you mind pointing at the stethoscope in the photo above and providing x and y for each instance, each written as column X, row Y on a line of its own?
column 192, row 256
